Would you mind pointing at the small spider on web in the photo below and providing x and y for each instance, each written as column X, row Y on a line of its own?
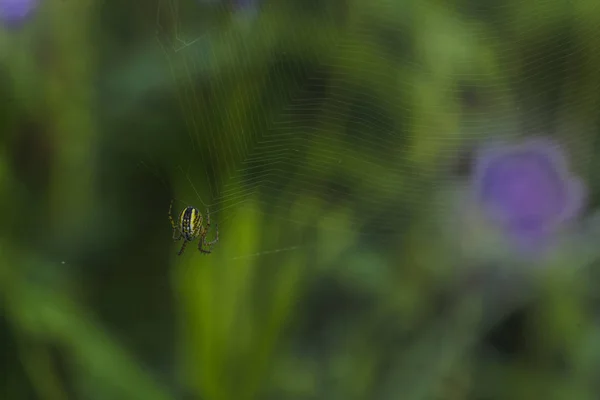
column 190, row 224
column 190, row 227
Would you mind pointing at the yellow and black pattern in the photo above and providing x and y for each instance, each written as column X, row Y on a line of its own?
column 190, row 227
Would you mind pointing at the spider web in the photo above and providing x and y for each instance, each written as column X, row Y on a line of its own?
column 199, row 201
column 368, row 105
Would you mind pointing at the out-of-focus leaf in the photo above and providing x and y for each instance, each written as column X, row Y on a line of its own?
column 48, row 315
column 224, row 321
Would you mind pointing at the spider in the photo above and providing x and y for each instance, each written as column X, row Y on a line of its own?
column 190, row 228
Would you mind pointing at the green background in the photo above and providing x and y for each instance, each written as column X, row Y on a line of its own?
column 328, row 139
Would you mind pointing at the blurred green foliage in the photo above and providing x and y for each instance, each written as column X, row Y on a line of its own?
column 326, row 138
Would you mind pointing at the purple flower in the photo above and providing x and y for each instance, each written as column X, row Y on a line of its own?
column 527, row 190
column 14, row 12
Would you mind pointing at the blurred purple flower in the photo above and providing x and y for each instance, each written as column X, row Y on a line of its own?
column 527, row 190
column 15, row 12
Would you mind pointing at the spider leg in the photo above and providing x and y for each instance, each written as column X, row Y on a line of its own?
column 185, row 242
column 176, row 231
column 201, row 243
column 171, row 216
column 176, row 235
column 215, row 240
column 204, row 246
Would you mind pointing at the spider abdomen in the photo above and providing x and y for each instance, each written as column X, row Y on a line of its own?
column 189, row 227
column 190, row 222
